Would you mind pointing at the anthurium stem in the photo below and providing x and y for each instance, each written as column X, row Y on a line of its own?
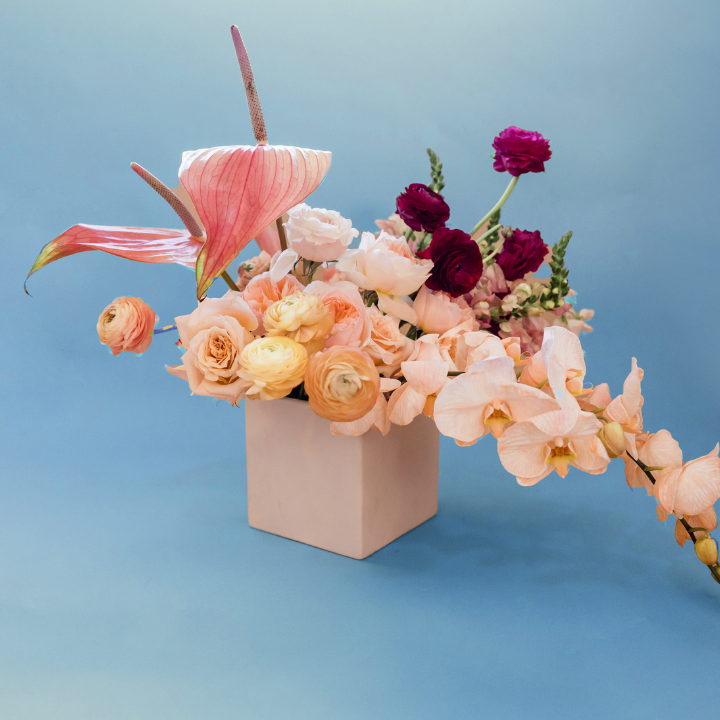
column 281, row 234
column 498, row 205
column 229, row 281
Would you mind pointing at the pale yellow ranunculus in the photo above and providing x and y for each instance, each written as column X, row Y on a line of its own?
column 301, row 317
column 274, row 366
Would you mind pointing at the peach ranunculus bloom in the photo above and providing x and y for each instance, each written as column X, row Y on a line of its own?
column 213, row 337
column 386, row 264
column 626, row 409
column 487, row 399
column 426, row 374
column 342, row 384
column 352, row 324
column 377, row 418
column 317, row 234
column 272, row 367
column 126, row 325
column 252, row 268
column 261, row 292
column 386, row 345
column 438, row 312
column 531, row 450
column 304, row 318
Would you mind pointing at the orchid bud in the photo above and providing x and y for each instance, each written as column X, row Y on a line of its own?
column 612, row 437
column 706, row 549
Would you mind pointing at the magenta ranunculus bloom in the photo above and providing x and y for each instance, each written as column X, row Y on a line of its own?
column 457, row 262
column 520, row 151
column 522, row 252
column 422, row 208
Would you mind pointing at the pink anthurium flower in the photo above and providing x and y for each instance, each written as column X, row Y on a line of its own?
column 426, row 375
column 692, row 488
column 485, row 400
column 236, row 192
column 531, row 450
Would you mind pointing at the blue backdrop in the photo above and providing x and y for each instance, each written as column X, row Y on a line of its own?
column 130, row 583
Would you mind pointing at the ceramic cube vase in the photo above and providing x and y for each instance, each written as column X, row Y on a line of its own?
column 349, row 495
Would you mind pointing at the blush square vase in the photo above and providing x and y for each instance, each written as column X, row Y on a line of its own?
column 348, row 495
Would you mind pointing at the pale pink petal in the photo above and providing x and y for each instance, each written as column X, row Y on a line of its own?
column 599, row 398
column 282, row 264
column 625, row 406
column 460, row 408
column 426, row 377
column 392, row 305
column 696, row 488
column 149, row 245
column 405, row 405
column 661, row 450
column 558, row 423
column 523, row 450
column 591, row 454
column 563, row 357
column 268, row 239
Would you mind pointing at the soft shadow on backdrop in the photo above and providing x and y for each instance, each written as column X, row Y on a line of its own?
column 130, row 584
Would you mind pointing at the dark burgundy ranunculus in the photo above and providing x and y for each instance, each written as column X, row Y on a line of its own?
column 521, row 253
column 422, row 208
column 520, row 151
column 457, row 262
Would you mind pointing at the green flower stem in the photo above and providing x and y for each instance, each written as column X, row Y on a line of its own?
column 498, row 205
column 229, row 281
column 488, row 233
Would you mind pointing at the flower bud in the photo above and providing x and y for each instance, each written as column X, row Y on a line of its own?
column 706, row 549
column 612, row 437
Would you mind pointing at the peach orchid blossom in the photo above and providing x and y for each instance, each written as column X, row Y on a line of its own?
column 626, row 409
column 377, row 418
column 553, row 441
column 426, row 375
column 386, row 264
column 692, row 488
column 558, row 367
column 707, row 520
column 473, row 347
column 236, row 192
column 656, row 450
column 485, row 399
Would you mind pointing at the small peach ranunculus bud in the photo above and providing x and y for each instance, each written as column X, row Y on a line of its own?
column 612, row 437
column 126, row 325
column 342, row 383
column 301, row 317
column 274, row 366
column 707, row 550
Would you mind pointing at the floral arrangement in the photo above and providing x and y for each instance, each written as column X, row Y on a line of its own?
column 420, row 318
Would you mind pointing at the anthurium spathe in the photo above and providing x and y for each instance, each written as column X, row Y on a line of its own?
column 485, row 399
column 239, row 190
column 531, row 450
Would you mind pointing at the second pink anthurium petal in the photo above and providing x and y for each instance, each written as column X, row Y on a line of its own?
column 239, row 190
column 151, row 245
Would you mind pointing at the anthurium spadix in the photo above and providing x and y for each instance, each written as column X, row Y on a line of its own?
column 227, row 196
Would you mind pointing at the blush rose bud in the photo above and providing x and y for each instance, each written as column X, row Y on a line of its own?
column 612, row 437
column 707, row 550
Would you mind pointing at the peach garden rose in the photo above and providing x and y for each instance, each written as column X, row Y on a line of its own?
column 213, row 336
column 126, row 325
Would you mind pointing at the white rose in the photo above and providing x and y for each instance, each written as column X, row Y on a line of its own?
column 317, row 234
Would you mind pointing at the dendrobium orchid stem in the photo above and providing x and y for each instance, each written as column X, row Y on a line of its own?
column 498, row 205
